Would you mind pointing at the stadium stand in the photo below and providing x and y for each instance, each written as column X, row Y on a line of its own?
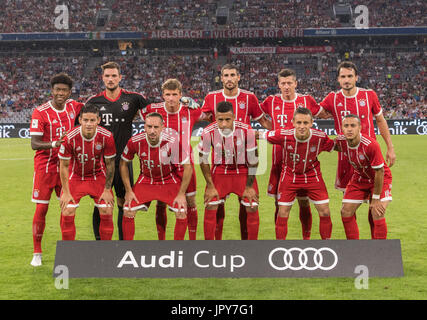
column 395, row 67
column 142, row 15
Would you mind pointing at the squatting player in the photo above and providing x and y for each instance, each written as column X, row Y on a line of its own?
column 49, row 124
column 234, row 164
column 281, row 108
column 87, row 168
column 301, row 172
column 363, row 103
column 370, row 182
column 117, row 108
column 246, row 109
column 159, row 154
column 180, row 118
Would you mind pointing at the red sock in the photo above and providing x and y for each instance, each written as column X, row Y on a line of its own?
column 243, row 217
column 161, row 221
column 252, row 225
column 68, row 228
column 39, row 222
column 306, row 221
column 180, row 229
column 128, row 227
column 106, row 226
column 325, row 227
column 281, row 227
column 276, row 212
column 380, row 229
column 192, row 222
column 210, row 221
column 220, row 216
column 371, row 223
column 351, row 228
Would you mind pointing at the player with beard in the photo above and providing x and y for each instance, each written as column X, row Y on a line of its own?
column 365, row 104
column 370, row 182
column 179, row 118
column 117, row 108
column 246, row 108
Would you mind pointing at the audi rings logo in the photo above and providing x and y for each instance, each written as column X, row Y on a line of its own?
column 308, row 258
column 422, row 128
column 24, row 133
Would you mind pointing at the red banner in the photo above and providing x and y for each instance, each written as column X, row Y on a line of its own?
column 281, row 50
column 305, row 49
column 223, row 34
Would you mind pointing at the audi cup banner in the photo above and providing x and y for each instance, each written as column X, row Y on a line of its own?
column 229, row 258
column 397, row 127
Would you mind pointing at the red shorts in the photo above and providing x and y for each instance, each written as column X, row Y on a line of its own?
column 43, row 185
column 344, row 172
column 227, row 184
column 273, row 184
column 92, row 188
column 145, row 193
column 191, row 190
column 315, row 191
column 360, row 192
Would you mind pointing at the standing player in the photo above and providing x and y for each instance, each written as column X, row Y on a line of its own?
column 234, row 165
column 246, row 109
column 281, row 108
column 83, row 172
column 117, row 108
column 371, row 180
column 159, row 154
column 180, row 118
column 363, row 103
column 301, row 170
column 49, row 124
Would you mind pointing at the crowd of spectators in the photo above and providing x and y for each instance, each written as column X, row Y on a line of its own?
column 17, row 16
column 146, row 15
column 398, row 79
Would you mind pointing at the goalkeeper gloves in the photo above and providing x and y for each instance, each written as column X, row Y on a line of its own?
column 189, row 102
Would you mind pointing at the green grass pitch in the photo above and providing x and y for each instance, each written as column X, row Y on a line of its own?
column 406, row 218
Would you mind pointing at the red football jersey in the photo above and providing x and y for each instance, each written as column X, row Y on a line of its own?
column 282, row 111
column 364, row 103
column 300, row 163
column 50, row 124
column 87, row 156
column 181, row 122
column 245, row 105
column 158, row 164
column 229, row 152
column 364, row 158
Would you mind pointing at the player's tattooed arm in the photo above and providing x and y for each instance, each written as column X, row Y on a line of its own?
column 110, row 165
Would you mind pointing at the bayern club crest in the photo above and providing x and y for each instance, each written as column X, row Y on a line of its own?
column 98, row 146
column 362, row 102
column 125, row 106
column 242, row 105
column 72, row 115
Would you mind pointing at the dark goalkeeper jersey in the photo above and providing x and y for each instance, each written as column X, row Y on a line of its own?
column 117, row 115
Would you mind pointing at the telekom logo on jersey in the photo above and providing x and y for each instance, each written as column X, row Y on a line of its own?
column 107, row 118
